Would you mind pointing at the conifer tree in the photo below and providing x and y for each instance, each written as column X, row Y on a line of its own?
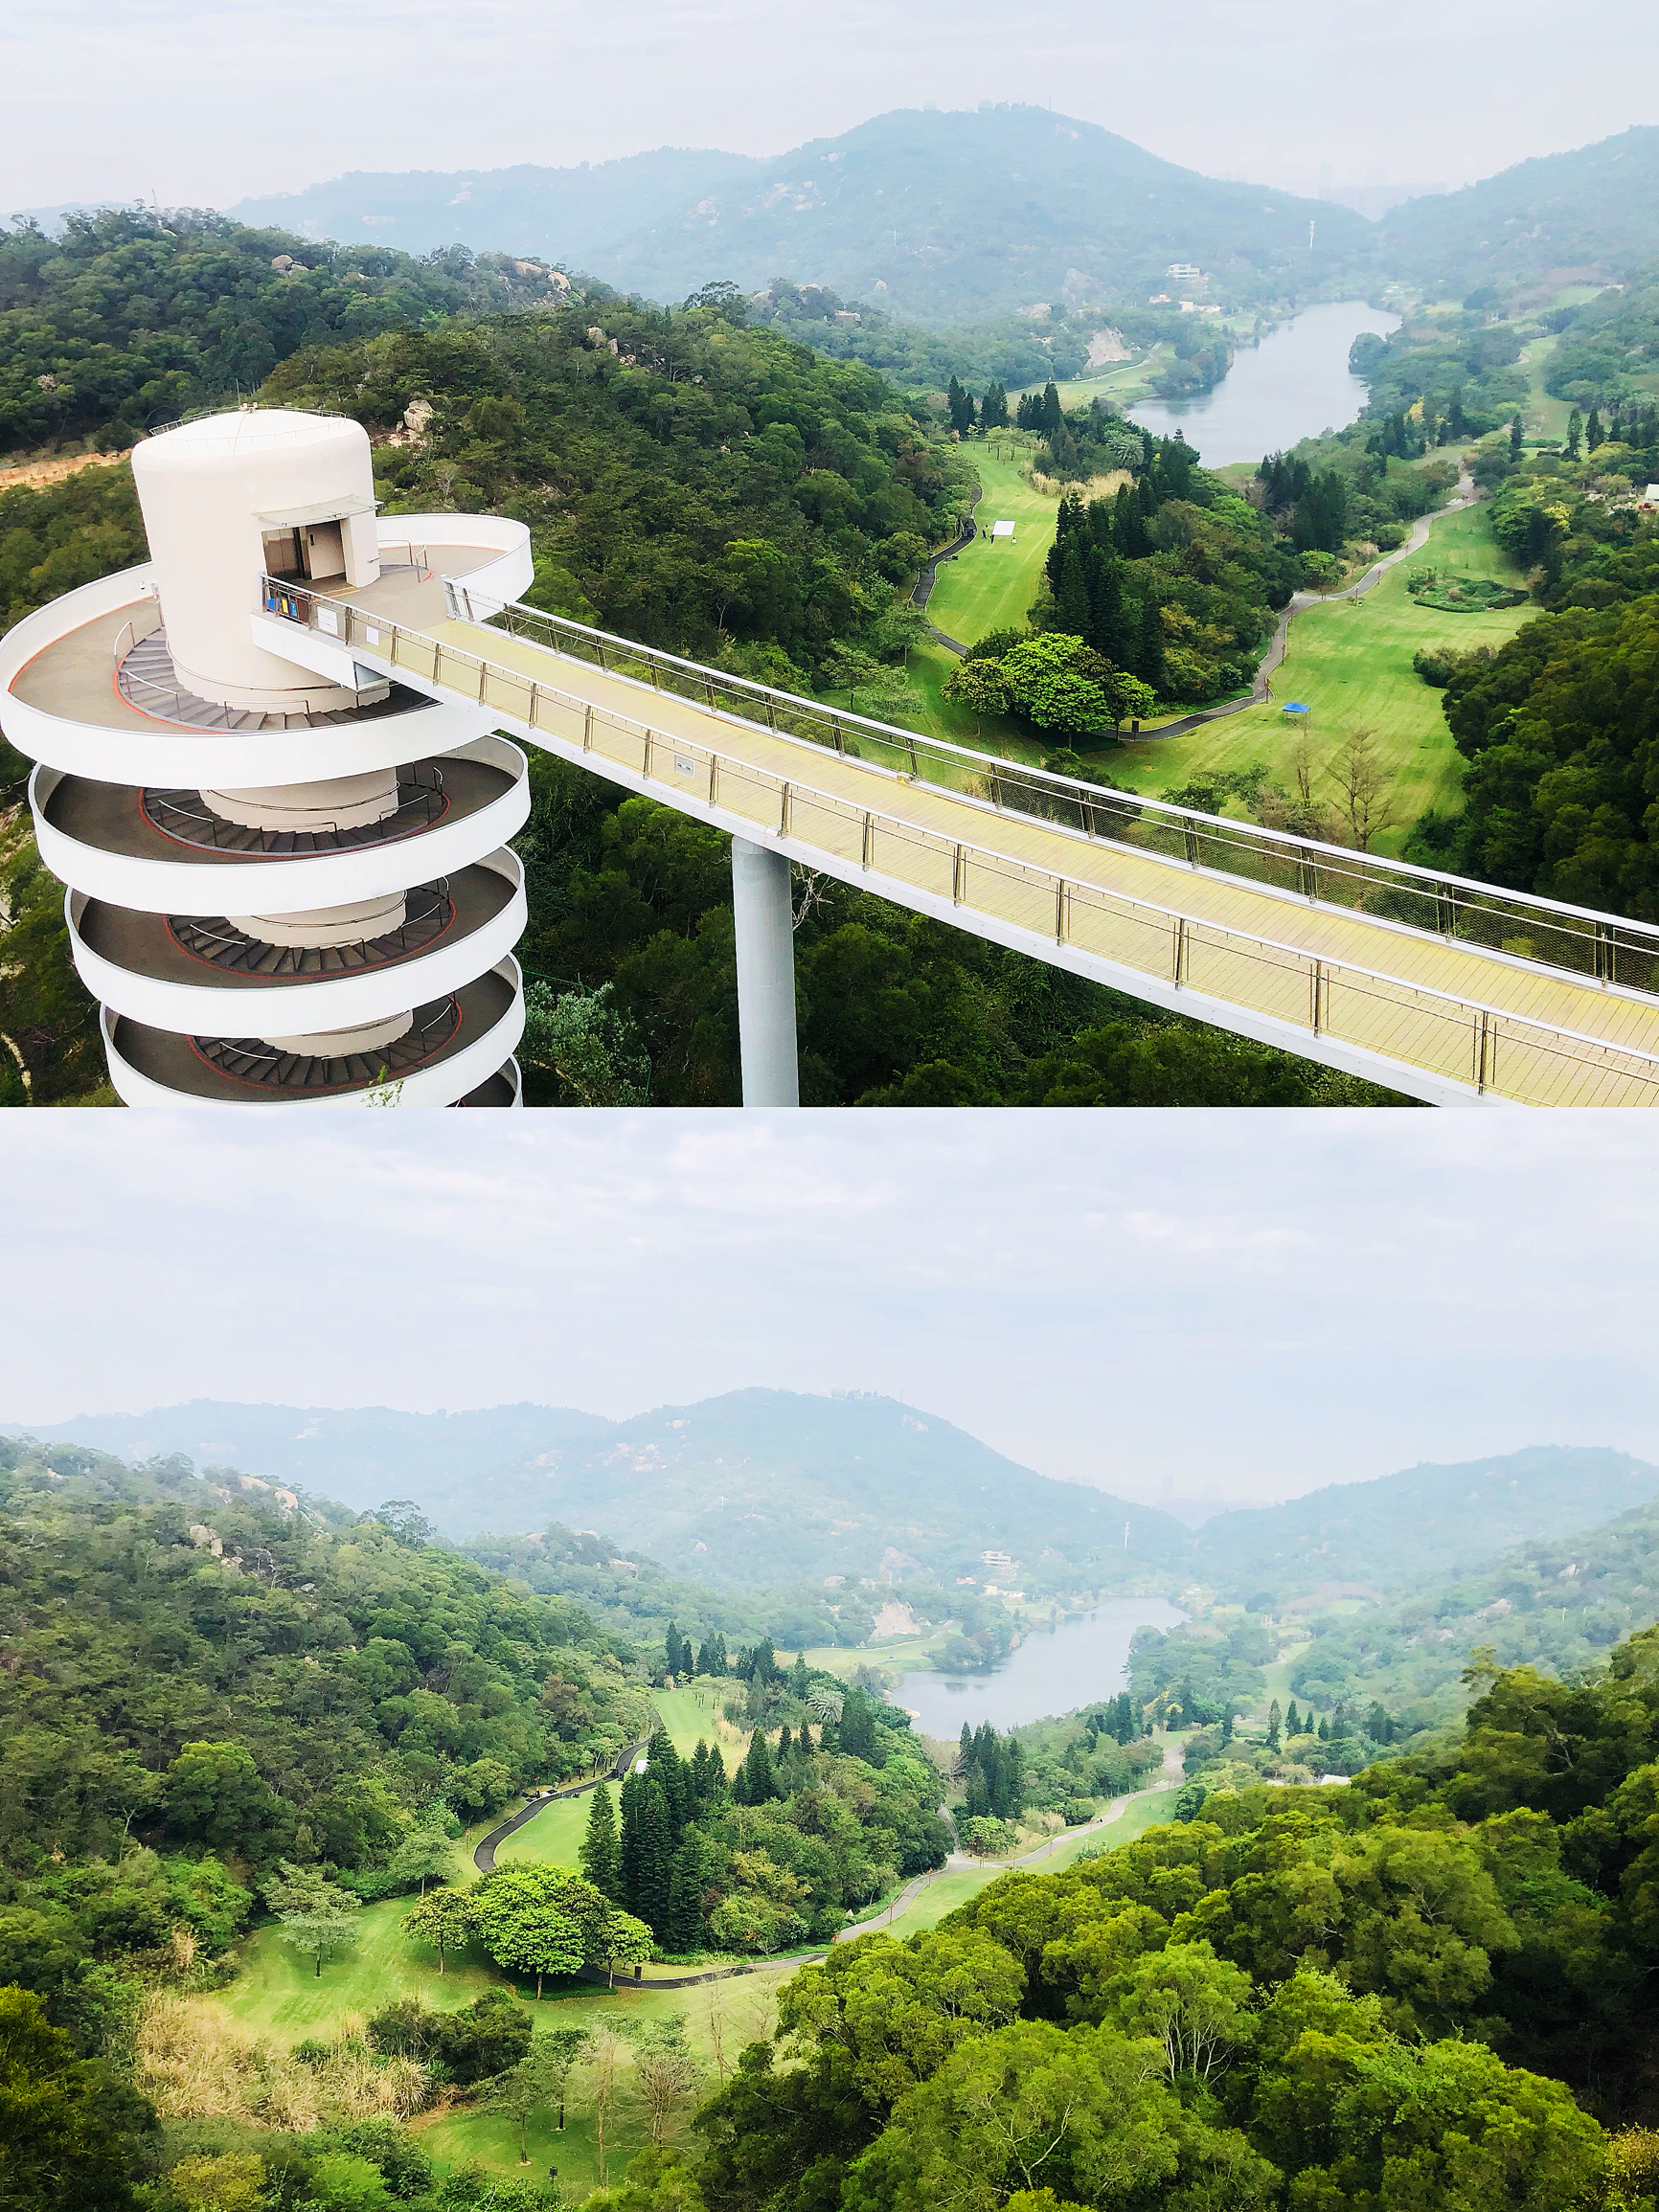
column 665, row 1766
column 1575, row 433
column 1515, row 437
column 786, row 1744
column 653, row 1857
column 1275, row 1722
column 1593, row 430
column 1292, row 1721
column 800, row 1678
column 805, row 1741
column 1324, row 1729
column 1071, row 595
column 683, row 1928
column 1149, row 658
column 1108, row 630
column 1053, row 416
column 760, row 1783
column 600, row 1852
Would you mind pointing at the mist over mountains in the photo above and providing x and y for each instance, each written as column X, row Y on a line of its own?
column 764, row 1486
column 939, row 217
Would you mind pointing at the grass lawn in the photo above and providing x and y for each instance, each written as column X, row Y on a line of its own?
column 551, row 1838
column 693, row 1710
column 1351, row 661
column 989, row 586
column 746, row 2008
column 947, row 1891
column 281, row 1994
column 1278, row 1679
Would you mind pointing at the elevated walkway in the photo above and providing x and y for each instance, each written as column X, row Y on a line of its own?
column 1451, row 991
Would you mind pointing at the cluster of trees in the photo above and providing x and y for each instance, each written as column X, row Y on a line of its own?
column 1004, row 350
column 1202, row 1669
column 1557, row 726
column 689, row 481
column 1075, row 1760
column 1607, row 349
column 211, row 1695
column 1165, row 590
column 1432, row 1986
column 990, row 414
column 128, row 317
column 1455, row 378
column 991, row 1770
column 1310, row 506
column 806, row 1828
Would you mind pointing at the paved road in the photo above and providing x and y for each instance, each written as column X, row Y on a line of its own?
column 961, row 1862
column 929, row 577
column 1261, row 692
column 484, row 1853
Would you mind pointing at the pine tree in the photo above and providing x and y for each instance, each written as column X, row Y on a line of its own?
column 665, row 1767
column 1575, row 433
column 1593, row 430
column 805, row 1741
column 993, row 408
column 1109, row 633
column 1324, row 1730
column 1053, row 416
column 1072, row 593
column 1129, row 530
column 760, row 1783
column 1150, row 655
column 676, row 1653
column 801, row 1678
column 1515, row 437
column 653, row 1857
column 600, row 1852
column 1293, row 1720
column 856, row 1734
column 1275, row 1720
column 684, row 1922
column 628, row 1849
column 786, row 1744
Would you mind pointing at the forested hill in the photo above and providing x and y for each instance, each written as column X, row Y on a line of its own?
column 358, row 1455
column 942, row 215
column 754, row 1487
column 343, row 1677
column 1564, row 218
column 1403, row 1529
column 126, row 319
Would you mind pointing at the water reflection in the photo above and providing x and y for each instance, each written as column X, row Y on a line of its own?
column 1295, row 384
column 1083, row 1658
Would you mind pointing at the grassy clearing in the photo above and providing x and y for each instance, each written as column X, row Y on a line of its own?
column 1544, row 415
column 989, row 586
column 693, row 1710
column 946, row 1892
column 738, row 2010
column 552, row 1838
column 281, row 1994
column 1351, row 661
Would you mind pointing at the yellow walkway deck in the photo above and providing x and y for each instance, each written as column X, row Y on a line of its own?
column 1507, row 1028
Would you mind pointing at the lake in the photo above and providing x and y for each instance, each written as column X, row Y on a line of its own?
column 1053, row 1671
column 1295, row 384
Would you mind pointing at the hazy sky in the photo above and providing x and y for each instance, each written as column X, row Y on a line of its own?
column 1250, row 1303
column 206, row 103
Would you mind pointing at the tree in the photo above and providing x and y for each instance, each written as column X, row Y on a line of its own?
column 648, row 1849
column 1515, row 438
column 664, row 2066
column 978, row 686
column 759, row 1782
column 1575, row 433
column 1319, row 570
column 524, row 2089
column 443, row 1919
column 1367, row 789
column 1195, row 2003
column 74, row 2136
column 424, row 1855
column 627, row 1942
column 1273, row 1726
column 213, row 1795
column 539, row 1920
column 325, row 1929
column 600, row 1852
column 607, row 2048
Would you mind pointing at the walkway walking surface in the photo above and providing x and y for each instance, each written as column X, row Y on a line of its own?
column 1460, row 1013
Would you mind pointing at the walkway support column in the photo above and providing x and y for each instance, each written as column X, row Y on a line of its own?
column 765, row 975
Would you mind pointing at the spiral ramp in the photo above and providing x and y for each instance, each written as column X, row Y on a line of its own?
column 290, row 880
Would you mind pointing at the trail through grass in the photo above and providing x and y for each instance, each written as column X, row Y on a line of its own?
column 991, row 582
column 1350, row 662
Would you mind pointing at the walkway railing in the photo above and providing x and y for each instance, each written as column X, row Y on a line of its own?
column 1449, row 1034
column 1602, row 948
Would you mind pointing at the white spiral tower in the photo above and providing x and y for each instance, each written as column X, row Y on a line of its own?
column 288, row 871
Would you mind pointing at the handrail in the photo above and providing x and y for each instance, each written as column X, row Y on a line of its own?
column 424, row 783
column 1604, row 948
column 400, row 1055
column 1463, row 1039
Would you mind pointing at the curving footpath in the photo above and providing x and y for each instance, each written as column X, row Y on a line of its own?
column 484, row 1853
column 922, row 591
column 960, row 1861
column 1259, row 692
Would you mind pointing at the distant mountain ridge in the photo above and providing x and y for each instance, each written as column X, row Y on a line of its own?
column 771, row 1487
column 937, row 214
column 1425, row 1522
column 758, row 1486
